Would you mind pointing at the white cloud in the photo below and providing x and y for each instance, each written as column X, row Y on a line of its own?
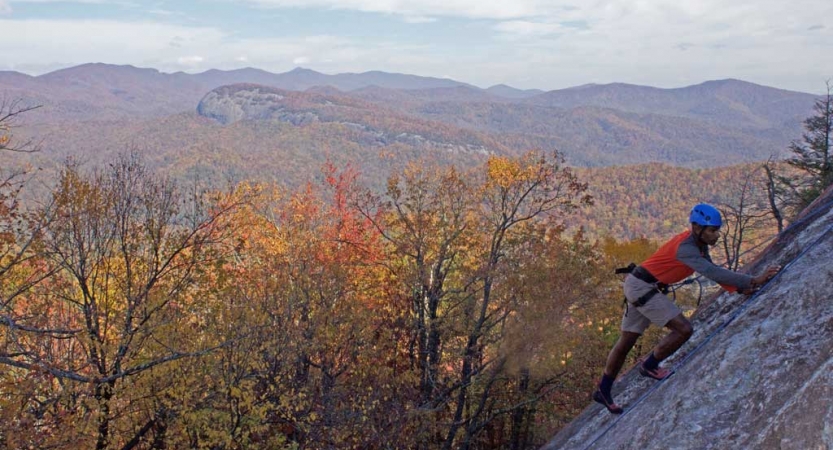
column 611, row 14
column 527, row 43
column 44, row 45
column 98, row 2
column 526, row 28
column 162, row 12
column 425, row 8
column 419, row 19
column 5, row 7
column 65, row 42
column 671, row 44
column 190, row 61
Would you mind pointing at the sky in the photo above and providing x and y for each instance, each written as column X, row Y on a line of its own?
column 541, row 44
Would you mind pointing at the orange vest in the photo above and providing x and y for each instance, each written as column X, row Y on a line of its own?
column 663, row 264
column 665, row 267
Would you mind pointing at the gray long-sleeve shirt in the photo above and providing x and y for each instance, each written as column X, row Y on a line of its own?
column 691, row 255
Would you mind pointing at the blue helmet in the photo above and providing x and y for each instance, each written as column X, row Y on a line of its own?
column 705, row 215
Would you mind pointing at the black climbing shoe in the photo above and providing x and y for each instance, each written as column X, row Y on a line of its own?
column 658, row 374
column 607, row 403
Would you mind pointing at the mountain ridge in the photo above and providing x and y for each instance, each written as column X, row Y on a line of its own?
column 719, row 122
column 714, row 100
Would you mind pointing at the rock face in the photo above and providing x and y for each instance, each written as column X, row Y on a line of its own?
column 229, row 104
column 758, row 372
column 372, row 125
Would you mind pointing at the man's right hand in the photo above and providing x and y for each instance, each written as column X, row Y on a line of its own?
column 761, row 279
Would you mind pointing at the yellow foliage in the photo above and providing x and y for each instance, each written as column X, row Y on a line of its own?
column 505, row 171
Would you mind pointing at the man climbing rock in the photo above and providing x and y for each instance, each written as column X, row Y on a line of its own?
column 645, row 288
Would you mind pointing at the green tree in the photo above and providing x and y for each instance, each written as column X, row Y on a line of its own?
column 811, row 157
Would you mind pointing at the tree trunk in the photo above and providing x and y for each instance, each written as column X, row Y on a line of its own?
column 773, row 206
column 517, row 439
column 103, row 394
column 465, row 379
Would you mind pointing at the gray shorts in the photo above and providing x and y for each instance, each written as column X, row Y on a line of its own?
column 658, row 310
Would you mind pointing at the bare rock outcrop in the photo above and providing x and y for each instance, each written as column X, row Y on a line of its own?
column 371, row 125
column 229, row 104
column 758, row 372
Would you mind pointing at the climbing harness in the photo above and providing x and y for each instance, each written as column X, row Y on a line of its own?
column 659, row 288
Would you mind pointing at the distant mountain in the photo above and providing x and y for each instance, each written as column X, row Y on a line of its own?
column 411, row 100
column 255, row 132
column 503, row 90
column 214, row 78
column 98, row 91
column 95, row 90
column 590, row 136
column 710, row 124
column 350, row 81
column 11, row 78
column 594, row 136
column 301, row 79
column 734, row 102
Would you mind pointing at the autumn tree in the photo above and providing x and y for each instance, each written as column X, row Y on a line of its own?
column 21, row 268
column 514, row 195
column 749, row 219
column 313, row 356
column 552, row 341
column 456, row 239
column 218, row 403
column 326, row 300
column 772, row 194
column 127, row 248
column 424, row 219
column 19, row 226
column 10, row 113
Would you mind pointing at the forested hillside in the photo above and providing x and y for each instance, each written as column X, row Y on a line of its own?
column 631, row 200
column 140, row 313
column 653, row 200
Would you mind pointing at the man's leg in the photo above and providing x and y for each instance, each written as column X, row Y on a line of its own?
column 615, row 360
column 617, row 355
column 681, row 331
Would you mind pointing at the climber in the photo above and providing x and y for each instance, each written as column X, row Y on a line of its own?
column 645, row 287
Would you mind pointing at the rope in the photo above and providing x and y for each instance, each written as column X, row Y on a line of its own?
column 679, row 364
column 672, row 288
